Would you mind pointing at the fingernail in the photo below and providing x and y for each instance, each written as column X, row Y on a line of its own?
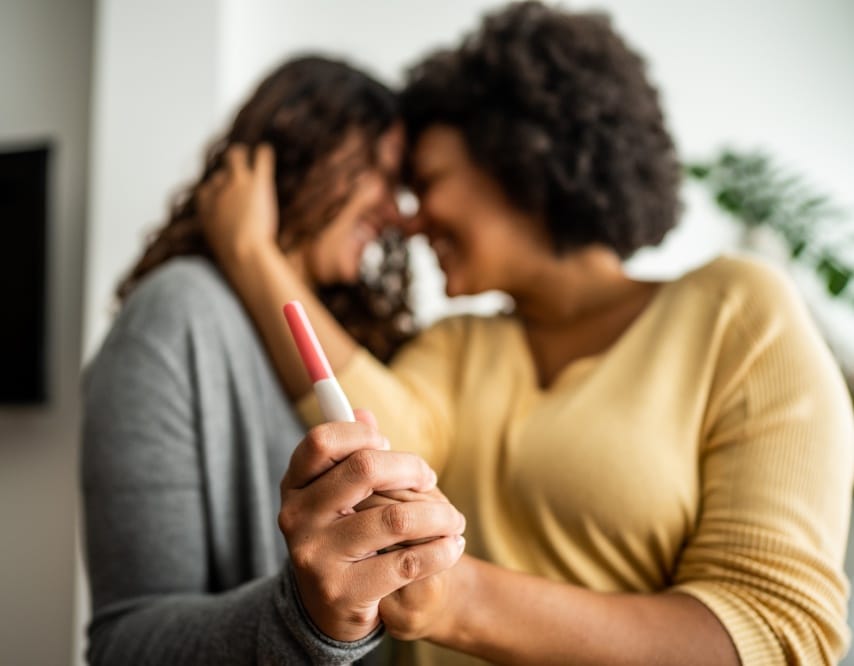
column 386, row 444
column 460, row 541
column 433, row 478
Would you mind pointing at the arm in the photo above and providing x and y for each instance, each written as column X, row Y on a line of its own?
column 343, row 559
column 146, row 540
column 760, row 578
column 554, row 623
column 155, row 597
column 238, row 211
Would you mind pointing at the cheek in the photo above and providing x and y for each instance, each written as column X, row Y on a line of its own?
column 368, row 193
column 446, row 201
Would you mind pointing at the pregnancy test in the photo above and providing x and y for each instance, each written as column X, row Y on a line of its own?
column 333, row 402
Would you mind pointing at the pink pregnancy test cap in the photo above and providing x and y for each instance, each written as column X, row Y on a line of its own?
column 307, row 343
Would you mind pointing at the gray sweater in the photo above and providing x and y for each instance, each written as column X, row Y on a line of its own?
column 186, row 437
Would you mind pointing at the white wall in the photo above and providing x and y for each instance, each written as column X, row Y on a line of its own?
column 750, row 74
column 44, row 93
column 167, row 74
column 153, row 108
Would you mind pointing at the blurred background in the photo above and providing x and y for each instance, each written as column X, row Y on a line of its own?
column 118, row 98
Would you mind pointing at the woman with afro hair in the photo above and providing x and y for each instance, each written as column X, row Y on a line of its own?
column 652, row 473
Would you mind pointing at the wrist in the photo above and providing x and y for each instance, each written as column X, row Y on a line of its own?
column 454, row 629
column 251, row 262
column 327, row 619
column 245, row 250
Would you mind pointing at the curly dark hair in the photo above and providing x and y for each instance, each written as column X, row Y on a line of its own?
column 558, row 109
column 306, row 110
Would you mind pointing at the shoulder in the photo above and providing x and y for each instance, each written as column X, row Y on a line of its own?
column 183, row 303
column 180, row 290
column 183, row 293
column 460, row 340
column 747, row 291
column 463, row 330
column 749, row 318
column 765, row 332
column 739, row 276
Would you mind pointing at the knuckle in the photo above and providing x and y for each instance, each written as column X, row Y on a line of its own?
column 302, row 557
column 359, row 616
column 320, row 441
column 409, row 565
column 288, row 518
column 329, row 594
column 397, row 519
column 361, row 465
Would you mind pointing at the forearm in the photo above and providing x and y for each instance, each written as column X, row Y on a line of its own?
column 260, row 622
column 509, row 617
column 265, row 281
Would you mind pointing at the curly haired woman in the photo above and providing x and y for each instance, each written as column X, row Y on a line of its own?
column 187, row 433
column 652, row 473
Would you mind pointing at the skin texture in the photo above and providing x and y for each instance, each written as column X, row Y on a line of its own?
column 334, row 549
column 334, row 256
column 571, row 305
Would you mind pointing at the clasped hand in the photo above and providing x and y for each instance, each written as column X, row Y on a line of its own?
column 342, row 534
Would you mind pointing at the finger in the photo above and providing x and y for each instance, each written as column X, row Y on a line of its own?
column 237, row 160
column 362, row 473
column 365, row 416
column 364, row 534
column 392, row 496
column 405, row 495
column 218, row 179
column 379, row 576
column 325, row 446
column 264, row 165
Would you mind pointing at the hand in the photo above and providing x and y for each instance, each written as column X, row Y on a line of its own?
column 335, row 551
column 425, row 608
column 237, row 205
column 395, row 497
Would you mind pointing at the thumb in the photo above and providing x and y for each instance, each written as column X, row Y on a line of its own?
column 366, row 416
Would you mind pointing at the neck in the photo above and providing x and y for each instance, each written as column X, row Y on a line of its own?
column 577, row 306
column 568, row 289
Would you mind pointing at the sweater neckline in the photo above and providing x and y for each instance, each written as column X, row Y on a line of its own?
column 584, row 364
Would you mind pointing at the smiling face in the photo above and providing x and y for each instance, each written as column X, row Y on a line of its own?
column 481, row 240
column 335, row 254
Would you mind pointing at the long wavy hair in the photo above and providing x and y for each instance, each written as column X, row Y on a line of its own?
column 308, row 109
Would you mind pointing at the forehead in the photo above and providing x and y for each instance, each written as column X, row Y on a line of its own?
column 385, row 152
column 438, row 146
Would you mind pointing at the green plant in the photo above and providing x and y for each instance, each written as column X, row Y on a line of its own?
column 756, row 192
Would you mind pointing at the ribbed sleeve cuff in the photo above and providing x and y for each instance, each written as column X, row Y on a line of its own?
column 754, row 640
column 321, row 648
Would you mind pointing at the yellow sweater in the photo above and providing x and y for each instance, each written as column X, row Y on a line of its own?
column 708, row 451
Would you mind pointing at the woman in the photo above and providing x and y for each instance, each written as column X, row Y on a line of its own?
column 187, row 434
column 651, row 473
